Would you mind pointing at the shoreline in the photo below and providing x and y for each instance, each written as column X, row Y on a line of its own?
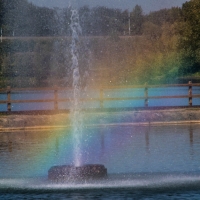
column 46, row 128
column 153, row 117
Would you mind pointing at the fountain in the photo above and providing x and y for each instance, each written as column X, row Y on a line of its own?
column 77, row 171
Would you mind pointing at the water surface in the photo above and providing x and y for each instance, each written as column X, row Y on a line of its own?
column 147, row 162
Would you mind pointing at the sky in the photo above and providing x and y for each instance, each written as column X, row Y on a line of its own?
column 147, row 5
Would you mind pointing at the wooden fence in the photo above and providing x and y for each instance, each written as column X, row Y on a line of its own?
column 101, row 97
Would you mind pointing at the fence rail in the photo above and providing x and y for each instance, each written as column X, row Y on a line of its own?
column 101, row 97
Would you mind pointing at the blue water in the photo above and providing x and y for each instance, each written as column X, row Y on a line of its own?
column 147, row 162
column 114, row 93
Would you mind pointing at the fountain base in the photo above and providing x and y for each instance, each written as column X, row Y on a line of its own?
column 69, row 173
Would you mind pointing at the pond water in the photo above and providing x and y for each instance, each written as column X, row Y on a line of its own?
column 114, row 93
column 143, row 162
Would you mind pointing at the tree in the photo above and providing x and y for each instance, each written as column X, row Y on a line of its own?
column 1, row 13
column 189, row 29
column 137, row 19
column 85, row 20
column 164, row 16
column 151, row 31
column 43, row 21
column 125, row 22
column 22, row 18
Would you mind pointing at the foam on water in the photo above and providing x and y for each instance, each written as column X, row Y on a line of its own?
column 139, row 181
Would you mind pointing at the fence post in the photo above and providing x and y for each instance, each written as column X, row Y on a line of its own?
column 8, row 98
column 190, row 93
column 56, row 98
column 101, row 97
column 146, row 96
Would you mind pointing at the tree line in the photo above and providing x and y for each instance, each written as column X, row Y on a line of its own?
column 21, row 18
column 164, row 44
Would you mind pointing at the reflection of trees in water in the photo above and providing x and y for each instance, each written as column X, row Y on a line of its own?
column 102, row 143
column 10, row 146
column 147, row 131
column 174, row 129
column 57, row 144
column 191, row 135
column 24, row 142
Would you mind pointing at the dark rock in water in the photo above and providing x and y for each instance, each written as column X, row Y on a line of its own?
column 65, row 173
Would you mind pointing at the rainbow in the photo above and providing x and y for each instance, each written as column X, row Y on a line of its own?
column 32, row 153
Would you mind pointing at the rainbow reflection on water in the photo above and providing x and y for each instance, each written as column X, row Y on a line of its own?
column 122, row 149
column 142, row 161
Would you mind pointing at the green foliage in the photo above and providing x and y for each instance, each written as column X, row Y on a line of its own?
column 137, row 19
column 21, row 18
column 129, row 60
column 151, row 31
column 189, row 42
column 150, row 55
column 1, row 13
column 164, row 16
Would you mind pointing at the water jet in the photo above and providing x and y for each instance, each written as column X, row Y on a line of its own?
column 78, row 171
